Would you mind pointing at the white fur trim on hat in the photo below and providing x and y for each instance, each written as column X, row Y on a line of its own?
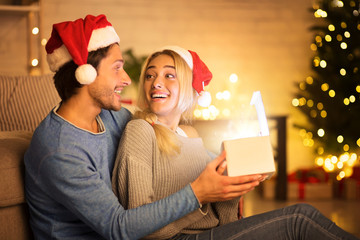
column 185, row 54
column 102, row 37
column 85, row 74
column 58, row 58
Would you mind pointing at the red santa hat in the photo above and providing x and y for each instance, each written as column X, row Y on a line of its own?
column 74, row 40
column 201, row 73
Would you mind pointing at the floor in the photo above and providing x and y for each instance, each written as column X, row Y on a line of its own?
column 345, row 213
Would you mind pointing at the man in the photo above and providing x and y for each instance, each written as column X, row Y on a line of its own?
column 71, row 156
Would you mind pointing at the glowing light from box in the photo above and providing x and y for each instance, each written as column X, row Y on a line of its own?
column 233, row 78
column 343, row 45
column 346, row 101
column 328, row 38
column 347, row 34
column 331, row 28
column 332, row 93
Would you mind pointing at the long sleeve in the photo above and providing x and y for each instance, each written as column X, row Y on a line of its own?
column 67, row 176
column 133, row 175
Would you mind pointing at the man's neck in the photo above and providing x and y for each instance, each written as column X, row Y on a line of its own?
column 80, row 114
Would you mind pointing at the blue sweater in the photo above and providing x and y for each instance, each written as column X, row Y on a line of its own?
column 68, row 185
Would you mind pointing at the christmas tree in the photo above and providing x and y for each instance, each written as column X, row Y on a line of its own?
column 330, row 97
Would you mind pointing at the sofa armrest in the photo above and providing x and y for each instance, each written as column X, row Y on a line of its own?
column 12, row 148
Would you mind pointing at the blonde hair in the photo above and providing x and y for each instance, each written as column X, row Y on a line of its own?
column 167, row 141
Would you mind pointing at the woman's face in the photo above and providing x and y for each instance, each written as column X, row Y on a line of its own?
column 162, row 88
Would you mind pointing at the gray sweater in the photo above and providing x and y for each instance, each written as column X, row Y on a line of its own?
column 142, row 175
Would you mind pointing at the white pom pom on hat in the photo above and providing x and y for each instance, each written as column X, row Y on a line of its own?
column 201, row 73
column 74, row 40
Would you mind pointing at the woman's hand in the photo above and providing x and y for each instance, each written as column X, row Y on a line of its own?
column 212, row 186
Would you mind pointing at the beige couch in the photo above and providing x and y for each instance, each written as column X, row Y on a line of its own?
column 24, row 102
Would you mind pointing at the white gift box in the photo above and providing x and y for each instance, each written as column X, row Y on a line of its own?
column 251, row 155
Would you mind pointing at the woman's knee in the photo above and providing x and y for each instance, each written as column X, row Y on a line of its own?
column 304, row 209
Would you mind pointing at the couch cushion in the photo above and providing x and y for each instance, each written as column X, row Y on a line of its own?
column 25, row 101
column 12, row 149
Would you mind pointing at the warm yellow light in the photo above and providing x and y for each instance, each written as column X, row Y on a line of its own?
column 334, row 159
column 34, row 62
column 347, row 34
column 226, row 112
column 197, row 113
column 358, row 142
column 328, row 38
column 233, row 78
column 358, row 88
column 346, row 147
column 321, row 132
column 316, row 62
column 320, row 106
column 320, row 14
column 35, row 31
column 339, row 4
column 340, row 139
column 319, row 161
column 313, row 113
column 320, row 150
column 309, row 135
column 331, row 28
column 226, row 95
column 302, row 101
column 205, row 114
column 343, row 45
column 346, row 101
column 43, row 42
column 323, row 114
column 324, row 87
column 309, row 80
column 332, row 93
column 302, row 85
column 219, row 96
column 313, row 47
column 348, row 172
column 352, row 98
column 310, row 103
column 302, row 132
column 295, row 102
column 343, row 72
column 323, row 64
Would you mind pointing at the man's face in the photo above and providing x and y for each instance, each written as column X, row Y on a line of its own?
column 111, row 80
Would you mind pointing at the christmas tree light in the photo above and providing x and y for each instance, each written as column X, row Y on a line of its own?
column 330, row 97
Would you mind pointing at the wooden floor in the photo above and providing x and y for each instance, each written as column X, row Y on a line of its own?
column 345, row 213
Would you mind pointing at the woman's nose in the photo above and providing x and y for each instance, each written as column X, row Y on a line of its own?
column 158, row 83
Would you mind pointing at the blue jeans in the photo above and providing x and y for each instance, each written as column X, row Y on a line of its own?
column 300, row 221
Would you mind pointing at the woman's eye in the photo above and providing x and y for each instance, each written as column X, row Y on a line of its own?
column 170, row 75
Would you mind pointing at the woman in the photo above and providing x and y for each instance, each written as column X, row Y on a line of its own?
column 157, row 157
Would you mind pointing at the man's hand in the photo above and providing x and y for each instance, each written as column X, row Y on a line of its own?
column 212, row 186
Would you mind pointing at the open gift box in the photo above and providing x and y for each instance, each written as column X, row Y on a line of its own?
column 251, row 155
